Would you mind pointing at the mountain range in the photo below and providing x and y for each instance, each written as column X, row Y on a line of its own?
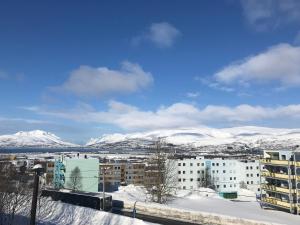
column 198, row 137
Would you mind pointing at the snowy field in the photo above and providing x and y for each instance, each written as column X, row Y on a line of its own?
column 58, row 213
column 207, row 201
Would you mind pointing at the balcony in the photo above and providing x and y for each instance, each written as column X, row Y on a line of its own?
column 277, row 175
column 278, row 202
column 276, row 162
column 277, row 189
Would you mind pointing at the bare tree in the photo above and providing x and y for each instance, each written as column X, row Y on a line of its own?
column 163, row 174
column 75, row 180
column 15, row 192
column 206, row 180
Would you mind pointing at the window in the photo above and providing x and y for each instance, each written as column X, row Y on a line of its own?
column 191, row 179
column 257, row 175
column 234, row 178
column 258, row 189
column 217, row 164
column 230, row 178
column 183, row 187
column 247, row 167
column 202, row 164
column 198, row 164
column 247, row 182
column 213, row 164
column 257, row 167
column 198, row 171
column 218, row 186
column 198, row 179
column 224, row 171
column 183, row 164
column 179, row 180
column 179, row 164
column 251, row 167
column 224, row 185
column 230, row 185
column 179, row 172
column 247, row 175
column 191, row 164
column 183, row 179
column 183, row 172
column 223, row 164
column 251, row 175
column 202, row 171
column 191, row 172
column 213, row 171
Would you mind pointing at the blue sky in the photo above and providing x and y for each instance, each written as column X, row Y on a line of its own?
column 83, row 69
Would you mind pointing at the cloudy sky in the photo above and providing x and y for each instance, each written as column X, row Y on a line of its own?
column 82, row 69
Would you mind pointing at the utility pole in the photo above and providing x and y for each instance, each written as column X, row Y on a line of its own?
column 103, row 188
column 38, row 169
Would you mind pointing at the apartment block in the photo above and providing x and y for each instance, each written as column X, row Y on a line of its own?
column 281, row 170
column 224, row 175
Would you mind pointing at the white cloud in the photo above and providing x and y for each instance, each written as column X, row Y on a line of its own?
column 176, row 115
column 279, row 64
column 161, row 34
column 192, row 94
column 269, row 14
column 96, row 82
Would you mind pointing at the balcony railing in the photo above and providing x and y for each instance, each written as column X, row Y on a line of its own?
column 276, row 162
column 278, row 202
column 277, row 189
column 277, row 175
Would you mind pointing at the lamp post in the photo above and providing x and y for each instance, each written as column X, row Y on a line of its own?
column 104, row 168
column 38, row 169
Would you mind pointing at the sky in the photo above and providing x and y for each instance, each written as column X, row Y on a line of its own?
column 81, row 69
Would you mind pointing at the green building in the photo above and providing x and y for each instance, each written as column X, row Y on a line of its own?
column 81, row 174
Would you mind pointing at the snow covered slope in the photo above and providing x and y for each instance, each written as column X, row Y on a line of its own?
column 205, row 136
column 36, row 138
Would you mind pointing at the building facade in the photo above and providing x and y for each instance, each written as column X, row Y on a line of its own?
column 281, row 170
column 224, row 175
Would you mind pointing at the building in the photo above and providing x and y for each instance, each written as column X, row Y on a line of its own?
column 226, row 176
column 77, row 173
column 281, row 170
column 118, row 172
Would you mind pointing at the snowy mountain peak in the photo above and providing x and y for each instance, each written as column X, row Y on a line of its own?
column 35, row 138
column 205, row 136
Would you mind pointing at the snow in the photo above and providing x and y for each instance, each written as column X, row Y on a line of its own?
column 202, row 136
column 59, row 213
column 205, row 200
column 36, row 138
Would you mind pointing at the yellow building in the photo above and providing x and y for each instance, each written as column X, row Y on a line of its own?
column 281, row 187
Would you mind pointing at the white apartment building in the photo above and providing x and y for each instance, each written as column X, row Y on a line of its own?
column 224, row 175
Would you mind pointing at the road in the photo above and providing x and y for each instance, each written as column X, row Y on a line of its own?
column 152, row 219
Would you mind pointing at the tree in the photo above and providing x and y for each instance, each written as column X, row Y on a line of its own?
column 206, row 180
column 15, row 192
column 75, row 180
column 163, row 174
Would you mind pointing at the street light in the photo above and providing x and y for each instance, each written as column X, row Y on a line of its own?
column 38, row 169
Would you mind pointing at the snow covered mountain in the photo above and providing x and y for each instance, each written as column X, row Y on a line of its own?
column 249, row 136
column 32, row 139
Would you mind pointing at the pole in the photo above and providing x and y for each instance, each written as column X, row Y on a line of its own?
column 103, row 188
column 34, row 198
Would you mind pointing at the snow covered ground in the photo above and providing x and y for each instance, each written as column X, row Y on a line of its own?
column 207, row 201
column 58, row 213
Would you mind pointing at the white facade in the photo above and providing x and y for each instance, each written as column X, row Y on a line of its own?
column 226, row 175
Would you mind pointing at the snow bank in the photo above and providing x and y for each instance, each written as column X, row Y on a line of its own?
column 59, row 213
column 206, row 206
